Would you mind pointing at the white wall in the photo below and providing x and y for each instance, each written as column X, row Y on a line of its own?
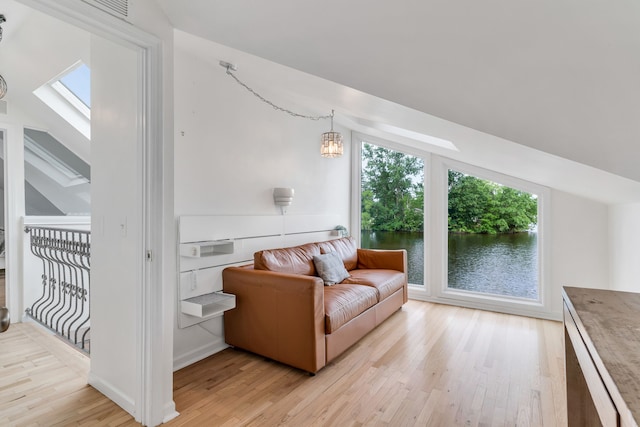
column 579, row 245
column 146, row 15
column 624, row 232
column 116, row 217
column 231, row 150
column 14, row 211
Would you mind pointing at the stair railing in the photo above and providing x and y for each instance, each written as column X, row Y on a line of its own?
column 63, row 306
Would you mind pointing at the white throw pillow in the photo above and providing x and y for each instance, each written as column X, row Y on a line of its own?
column 330, row 268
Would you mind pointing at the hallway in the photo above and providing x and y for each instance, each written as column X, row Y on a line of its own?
column 43, row 382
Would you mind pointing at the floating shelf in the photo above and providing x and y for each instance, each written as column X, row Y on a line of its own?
column 208, row 305
column 208, row 248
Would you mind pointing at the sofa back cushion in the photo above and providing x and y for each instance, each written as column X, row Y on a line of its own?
column 294, row 260
column 345, row 247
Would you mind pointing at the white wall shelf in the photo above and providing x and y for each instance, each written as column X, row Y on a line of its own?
column 208, row 248
column 208, row 305
column 207, row 244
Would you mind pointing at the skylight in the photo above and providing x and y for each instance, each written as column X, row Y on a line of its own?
column 69, row 95
column 78, row 82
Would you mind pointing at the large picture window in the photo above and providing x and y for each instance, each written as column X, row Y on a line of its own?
column 492, row 238
column 474, row 237
column 392, row 205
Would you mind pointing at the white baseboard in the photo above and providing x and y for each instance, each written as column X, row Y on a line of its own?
column 170, row 412
column 113, row 393
column 198, row 354
column 120, row 399
column 420, row 295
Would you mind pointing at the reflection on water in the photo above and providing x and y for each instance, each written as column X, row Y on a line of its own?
column 504, row 264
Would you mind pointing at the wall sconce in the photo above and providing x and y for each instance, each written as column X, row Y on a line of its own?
column 283, row 197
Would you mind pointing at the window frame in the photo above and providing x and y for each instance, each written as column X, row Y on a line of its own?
column 65, row 103
column 435, row 287
column 357, row 139
column 442, row 292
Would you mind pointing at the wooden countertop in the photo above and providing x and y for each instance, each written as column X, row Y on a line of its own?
column 609, row 323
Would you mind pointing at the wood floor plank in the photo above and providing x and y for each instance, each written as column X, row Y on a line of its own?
column 43, row 382
column 427, row 365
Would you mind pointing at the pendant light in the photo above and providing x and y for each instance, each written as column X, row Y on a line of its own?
column 331, row 145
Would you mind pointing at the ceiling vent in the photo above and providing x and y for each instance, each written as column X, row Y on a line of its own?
column 119, row 8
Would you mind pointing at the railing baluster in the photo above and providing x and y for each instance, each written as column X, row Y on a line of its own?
column 63, row 306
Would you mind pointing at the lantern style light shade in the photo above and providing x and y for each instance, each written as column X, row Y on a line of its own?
column 331, row 145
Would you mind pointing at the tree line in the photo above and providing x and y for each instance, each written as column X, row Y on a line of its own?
column 393, row 198
column 480, row 206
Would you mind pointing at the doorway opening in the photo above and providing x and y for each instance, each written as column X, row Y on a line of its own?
column 130, row 228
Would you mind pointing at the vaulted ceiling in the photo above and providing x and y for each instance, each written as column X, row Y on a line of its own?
column 561, row 76
column 35, row 49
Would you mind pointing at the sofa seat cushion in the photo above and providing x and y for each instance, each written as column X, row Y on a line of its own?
column 385, row 282
column 343, row 302
column 294, row 260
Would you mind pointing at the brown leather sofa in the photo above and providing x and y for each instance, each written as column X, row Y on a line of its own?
column 285, row 312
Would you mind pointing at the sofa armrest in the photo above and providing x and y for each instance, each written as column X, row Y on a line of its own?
column 392, row 259
column 395, row 259
column 277, row 315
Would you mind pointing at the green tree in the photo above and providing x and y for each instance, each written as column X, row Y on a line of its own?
column 392, row 190
column 480, row 206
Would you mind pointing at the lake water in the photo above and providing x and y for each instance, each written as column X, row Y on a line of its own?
column 503, row 264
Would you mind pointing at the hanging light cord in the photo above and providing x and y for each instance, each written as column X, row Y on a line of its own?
column 230, row 67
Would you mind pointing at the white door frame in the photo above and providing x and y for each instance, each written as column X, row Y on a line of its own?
column 13, row 214
column 154, row 334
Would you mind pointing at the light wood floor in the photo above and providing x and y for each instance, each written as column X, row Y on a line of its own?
column 43, row 382
column 428, row 365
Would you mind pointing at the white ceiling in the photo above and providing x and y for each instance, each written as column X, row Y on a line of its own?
column 560, row 80
column 34, row 49
column 561, row 76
